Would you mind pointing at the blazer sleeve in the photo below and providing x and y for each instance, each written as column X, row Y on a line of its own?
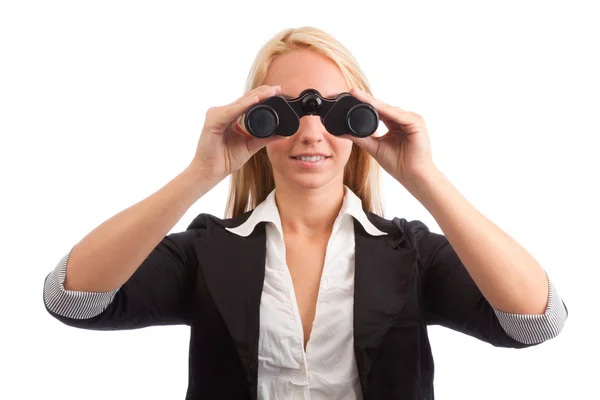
column 452, row 299
column 159, row 292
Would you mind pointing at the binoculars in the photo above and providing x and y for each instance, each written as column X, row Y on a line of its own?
column 340, row 115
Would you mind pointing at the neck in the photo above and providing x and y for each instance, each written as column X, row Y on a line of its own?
column 308, row 212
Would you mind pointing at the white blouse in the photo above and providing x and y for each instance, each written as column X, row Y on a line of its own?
column 327, row 369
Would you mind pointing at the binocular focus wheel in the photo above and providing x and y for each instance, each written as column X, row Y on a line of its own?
column 362, row 120
column 262, row 121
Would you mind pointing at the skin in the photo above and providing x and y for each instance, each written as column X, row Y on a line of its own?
column 308, row 199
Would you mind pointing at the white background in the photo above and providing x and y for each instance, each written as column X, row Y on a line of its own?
column 102, row 103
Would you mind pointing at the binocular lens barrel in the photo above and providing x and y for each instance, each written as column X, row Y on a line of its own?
column 362, row 121
column 262, row 121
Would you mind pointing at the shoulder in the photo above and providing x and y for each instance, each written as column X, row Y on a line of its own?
column 208, row 223
column 400, row 226
column 413, row 234
column 203, row 225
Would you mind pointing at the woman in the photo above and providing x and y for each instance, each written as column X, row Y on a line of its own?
column 305, row 290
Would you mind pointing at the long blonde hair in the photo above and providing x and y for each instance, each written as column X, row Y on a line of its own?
column 252, row 183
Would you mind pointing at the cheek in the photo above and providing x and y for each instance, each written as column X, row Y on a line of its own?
column 276, row 150
column 343, row 149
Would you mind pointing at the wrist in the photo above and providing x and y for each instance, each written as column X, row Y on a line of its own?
column 421, row 184
column 199, row 179
column 419, row 177
column 202, row 174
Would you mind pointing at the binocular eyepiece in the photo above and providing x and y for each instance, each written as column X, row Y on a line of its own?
column 340, row 115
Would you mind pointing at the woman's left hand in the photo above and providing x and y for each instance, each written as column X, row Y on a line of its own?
column 404, row 151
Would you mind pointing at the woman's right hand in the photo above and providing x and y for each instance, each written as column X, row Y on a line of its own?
column 224, row 146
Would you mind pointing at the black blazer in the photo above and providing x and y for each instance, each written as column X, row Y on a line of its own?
column 211, row 279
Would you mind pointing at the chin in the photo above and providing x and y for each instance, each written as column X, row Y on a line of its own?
column 310, row 181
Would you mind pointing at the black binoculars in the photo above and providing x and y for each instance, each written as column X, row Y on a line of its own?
column 340, row 115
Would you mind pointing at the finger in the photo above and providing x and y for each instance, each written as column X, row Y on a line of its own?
column 387, row 113
column 231, row 112
column 241, row 105
column 257, row 90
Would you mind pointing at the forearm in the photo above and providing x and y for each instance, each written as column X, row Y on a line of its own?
column 107, row 256
column 507, row 275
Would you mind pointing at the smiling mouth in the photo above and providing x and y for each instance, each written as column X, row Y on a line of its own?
column 310, row 162
column 311, row 158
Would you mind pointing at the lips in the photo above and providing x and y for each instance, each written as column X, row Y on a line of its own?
column 311, row 160
column 314, row 155
column 310, row 164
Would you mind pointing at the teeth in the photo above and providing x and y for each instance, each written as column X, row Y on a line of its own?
column 311, row 159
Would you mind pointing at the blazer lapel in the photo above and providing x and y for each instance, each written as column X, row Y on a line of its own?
column 234, row 269
column 383, row 272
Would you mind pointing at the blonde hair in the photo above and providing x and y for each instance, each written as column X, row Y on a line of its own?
column 252, row 183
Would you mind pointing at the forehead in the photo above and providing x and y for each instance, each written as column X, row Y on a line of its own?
column 304, row 69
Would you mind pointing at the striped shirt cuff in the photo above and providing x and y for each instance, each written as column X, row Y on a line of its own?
column 69, row 303
column 536, row 328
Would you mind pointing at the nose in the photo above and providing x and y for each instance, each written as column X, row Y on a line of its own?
column 311, row 129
